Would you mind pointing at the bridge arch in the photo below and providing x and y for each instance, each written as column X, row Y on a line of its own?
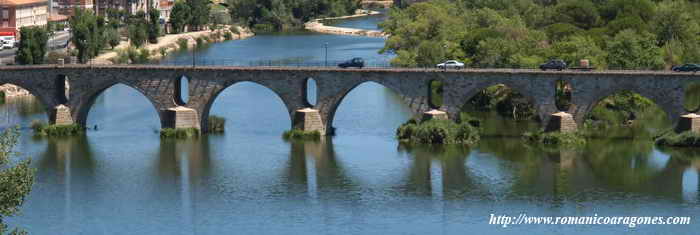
column 671, row 105
column 209, row 103
column 81, row 108
column 542, row 108
column 330, row 105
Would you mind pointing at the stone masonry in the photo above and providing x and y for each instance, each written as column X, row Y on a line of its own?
column 157, row 84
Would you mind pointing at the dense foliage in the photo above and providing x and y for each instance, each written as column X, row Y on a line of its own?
column 32, row 47
column 272, row 15
column 16, row 180
column 438, row 132
column 180, row 16
column 629, row 34
column 684, row 139
column 153, row 25
column 88, row 35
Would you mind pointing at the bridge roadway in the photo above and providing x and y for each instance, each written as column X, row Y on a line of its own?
column 161, row 86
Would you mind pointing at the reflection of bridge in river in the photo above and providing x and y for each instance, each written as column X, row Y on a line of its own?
column 185, row 172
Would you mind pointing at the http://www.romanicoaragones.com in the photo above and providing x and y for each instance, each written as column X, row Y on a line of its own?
column 630, row 221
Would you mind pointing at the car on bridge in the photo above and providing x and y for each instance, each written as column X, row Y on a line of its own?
column 451, row 64
column 356, row 62
column 686, row 68
column 553, row 64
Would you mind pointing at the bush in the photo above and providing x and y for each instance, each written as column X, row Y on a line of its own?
column 234, row 30
column 228, row 36
column 179, row 133
column 54, row 56
column 555, row 138
column 438, row 132
column 121, row 58
column 684, row 139
column 200, row 41
column 216, row 124
column 182, row 43
column 296, row 134
column 163, row 51
column 42, row 129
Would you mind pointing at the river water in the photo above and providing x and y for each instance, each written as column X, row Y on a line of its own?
column 123, row 179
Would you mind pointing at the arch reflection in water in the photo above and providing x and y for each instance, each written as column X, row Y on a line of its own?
column 21, row 110
column 604, row 166
column 370, row 108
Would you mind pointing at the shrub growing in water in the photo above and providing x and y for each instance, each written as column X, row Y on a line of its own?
column 42, row 129
column 296, row 134
column 684, row 139
column 216, row 124
column 555, row 138
column 438, row 132
column 178, row 133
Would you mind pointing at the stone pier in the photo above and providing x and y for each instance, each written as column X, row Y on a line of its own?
column 435, row 114
column 63, row 116
column 308, row 119
column 562, row 122
column 181, row 117
column 689, row 122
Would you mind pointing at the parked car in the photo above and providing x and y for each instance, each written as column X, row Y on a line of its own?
column 8, row 44
column 354, row 62
column 553, row 64
column 686, row 68
column 451, row 64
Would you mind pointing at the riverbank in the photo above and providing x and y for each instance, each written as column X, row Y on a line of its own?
column 169, row 43
column 316, row 25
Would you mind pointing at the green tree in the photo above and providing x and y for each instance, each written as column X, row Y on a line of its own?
column 15, row 180
column 112, row 36
column 582, row 13
column 138, row 34
column 87, row 34
column 575, row 48
column 200, row 13
column 630, row 50
column 32, row 47
column 153, row 25
column 674, row 21
column 180, row 16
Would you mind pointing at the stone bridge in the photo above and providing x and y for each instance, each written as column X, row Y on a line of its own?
column 161, row 85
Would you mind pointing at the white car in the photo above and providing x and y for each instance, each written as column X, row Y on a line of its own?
column 451, row 64
column 8, row 44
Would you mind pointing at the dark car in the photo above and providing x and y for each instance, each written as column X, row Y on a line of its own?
column 554, row 64
column 686, row 68
column 354, row 62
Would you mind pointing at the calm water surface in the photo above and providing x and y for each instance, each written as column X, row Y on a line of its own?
column 123, row 179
